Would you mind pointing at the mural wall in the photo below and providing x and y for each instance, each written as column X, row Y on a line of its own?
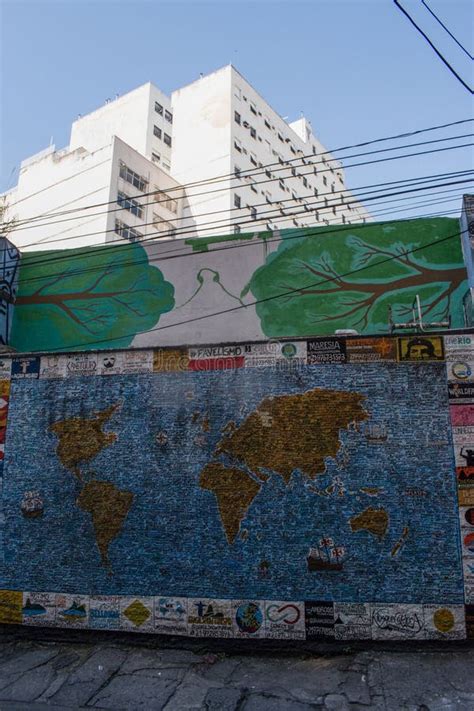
column 306, row 489
column 292, row 283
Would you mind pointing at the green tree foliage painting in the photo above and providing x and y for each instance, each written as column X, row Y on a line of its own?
column 326, row 296
column 84, row 297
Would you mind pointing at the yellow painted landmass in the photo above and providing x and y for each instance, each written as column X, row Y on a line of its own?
column 109, row 507
column 234, row 490
column 81, row 438
column 375, row 521
column 291, row 432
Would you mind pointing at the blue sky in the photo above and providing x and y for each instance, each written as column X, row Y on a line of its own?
column 356, row 68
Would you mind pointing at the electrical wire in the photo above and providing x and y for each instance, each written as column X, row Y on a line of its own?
column 226, row 188
column 425, row 36
column 268, row 165
column 222, row 224
column 170, row 255
column 447, row 30
column 286, row 293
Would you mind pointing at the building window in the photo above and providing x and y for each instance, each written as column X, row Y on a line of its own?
column 281, row 184
column 253, row 132
column 281, row 137
column 129, row 204
column 238, row 146
column 325, row 180
column 237, row 172
column 333, row 187
column 237, row 92
column 127, row 232
column 293, row 172
column 316, row 214
column 167, row 139
column 168, row 116
column 157, row 131
column 158, row 108
column 166, row 166
column 315, row 170
column 305, row 182
column 268, row 173
column 253, row 108
column 268, row 198
column 343, row 219
column 253, row 159
column 315, row 192
column 237, row 200
column 156, row 158
column 237, row 118
column 165, row 228
column 237, row 229
column 267, row 123
column 133, row 178
column 252, row 187
column 292, row 150
column 326, row 202
column 166, row 200
column 253, row 213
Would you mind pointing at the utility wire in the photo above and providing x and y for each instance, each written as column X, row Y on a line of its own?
column 238, row 177
column 289, row 292
column 443, row 59
column 316, row 206
column 446, row 29
column 244, row 173
column 160, row 258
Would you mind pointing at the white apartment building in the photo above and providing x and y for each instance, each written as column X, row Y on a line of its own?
column 213, row 159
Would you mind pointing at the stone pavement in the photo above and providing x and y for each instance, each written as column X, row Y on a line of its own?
column 41, row 673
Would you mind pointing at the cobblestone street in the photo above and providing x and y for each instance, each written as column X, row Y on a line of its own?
column 39, row 672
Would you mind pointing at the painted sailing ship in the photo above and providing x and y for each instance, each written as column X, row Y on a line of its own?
column 376, row 433
column 326, row 556
column 32, row 505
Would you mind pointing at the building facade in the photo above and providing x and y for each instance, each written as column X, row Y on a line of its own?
column 213, row 158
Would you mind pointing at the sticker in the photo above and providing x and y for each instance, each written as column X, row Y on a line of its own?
column 466, row 517
column 369, row 350
column 464, row 455
column 461, row 391
column 169, row 360
column 352, row 620
column 248, row 618
column 319, row 620
column 465, row 477
column 39, row 609
column 284, row 620
column 461, row 371
column 25, row 368
column 5, row 368
column 444, row 621
column 11, row 603
column 461, row 415
column 463, row 435
column 171, row 615
column 72, row 610
column 109, row 363
column 209, row 618
column 420, row 348
column 81, row 364
column 272, row 353
column 136, row 613
column 397, row 621
column 135, row 361
column 104, row 612
column 53, row 366
column 329, row 350
column 459, row 347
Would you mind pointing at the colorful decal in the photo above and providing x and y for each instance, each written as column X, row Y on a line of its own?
column 25, row 368
column 248, row 619
column 397, row 621
column 420, row 348
column 171, row 615
column 137, row 614
column 72, row 610
column 352, row 620
column 11, row 602
column 319, row 620
column 209, row 618
column 39, row 609
column 330, row 350
column 104, row 612
column 370, row 350
column 284, row 620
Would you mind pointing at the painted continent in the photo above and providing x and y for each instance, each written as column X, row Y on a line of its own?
column 375, row 521
column 283, row 434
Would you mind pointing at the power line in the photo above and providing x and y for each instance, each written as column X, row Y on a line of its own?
column 268, row 165
column 443, row 59
column 193, row 230
column 256, row 172
column 289, row 292
column 170, row 255
column 446, row 29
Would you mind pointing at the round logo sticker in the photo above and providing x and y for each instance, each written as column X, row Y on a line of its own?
column 469, row 542
column 288, row 350
column 443, row 620
column 469, row 516
column 249, row 617
column 462, row 371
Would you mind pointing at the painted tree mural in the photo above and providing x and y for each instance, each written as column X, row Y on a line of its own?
column 360, row 300
column 81, row 297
